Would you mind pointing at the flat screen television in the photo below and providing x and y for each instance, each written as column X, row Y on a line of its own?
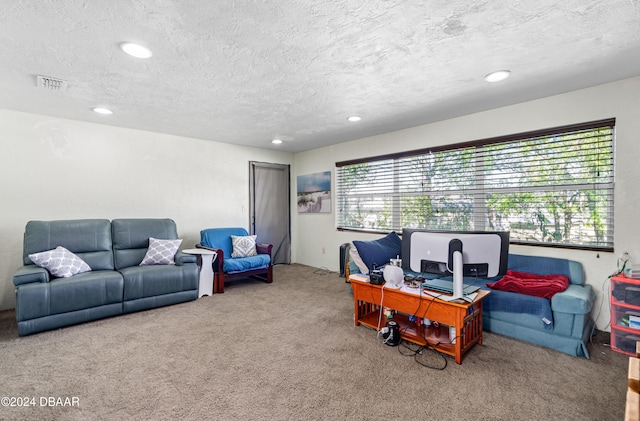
column 461, row 253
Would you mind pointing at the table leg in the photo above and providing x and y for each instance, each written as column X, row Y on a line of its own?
column 206, row 275
column 459, row 338
column 480, row 318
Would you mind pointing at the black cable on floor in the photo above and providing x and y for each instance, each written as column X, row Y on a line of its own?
column 420, row 350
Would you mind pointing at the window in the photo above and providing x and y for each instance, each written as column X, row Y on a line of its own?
column 550, row 187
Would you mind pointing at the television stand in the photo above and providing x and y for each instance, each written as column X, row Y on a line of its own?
column 466, row 317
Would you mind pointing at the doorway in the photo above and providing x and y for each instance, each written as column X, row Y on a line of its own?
column 270, row 208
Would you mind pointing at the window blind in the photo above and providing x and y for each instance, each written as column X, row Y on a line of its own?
column 548, row 187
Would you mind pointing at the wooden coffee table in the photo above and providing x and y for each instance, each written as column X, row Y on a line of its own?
column 368, row 300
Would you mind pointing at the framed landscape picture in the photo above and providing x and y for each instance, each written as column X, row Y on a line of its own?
column 314, row 193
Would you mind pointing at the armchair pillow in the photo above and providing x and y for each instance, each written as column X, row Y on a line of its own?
column 60, row 262
column 244, row 246
column 380, row 251
column 161, row 252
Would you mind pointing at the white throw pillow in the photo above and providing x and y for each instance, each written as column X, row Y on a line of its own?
column 355, row 257
column 60, row 262
column 244, row 246
column 161, row 252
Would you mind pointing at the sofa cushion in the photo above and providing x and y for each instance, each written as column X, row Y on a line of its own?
column 60, row 262
column 220, row 238
column 149, row 281
column 161, row 252
column 241, row 264
column 131, row 238
column 544, row 265
column 515, row 303
column 83, row 291
column 379, row 251
column 89, row 239
column 243, row 246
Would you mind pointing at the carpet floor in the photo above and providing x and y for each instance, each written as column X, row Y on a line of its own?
column 289, row 351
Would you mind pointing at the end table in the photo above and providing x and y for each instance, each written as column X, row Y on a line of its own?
column 205, row 257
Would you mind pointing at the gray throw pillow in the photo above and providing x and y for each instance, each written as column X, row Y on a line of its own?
column 60, row 262
column 244, row 246
column 161, row 252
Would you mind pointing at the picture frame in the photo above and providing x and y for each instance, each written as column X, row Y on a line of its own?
column 314, row 193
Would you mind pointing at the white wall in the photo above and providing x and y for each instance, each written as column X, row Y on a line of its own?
column 62, row 169
column 619, row 100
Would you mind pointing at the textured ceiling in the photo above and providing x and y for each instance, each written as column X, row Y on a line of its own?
column 244, row 72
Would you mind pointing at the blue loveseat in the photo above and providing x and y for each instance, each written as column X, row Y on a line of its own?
column 227, row 267
column 562, row 323
column 115, row 284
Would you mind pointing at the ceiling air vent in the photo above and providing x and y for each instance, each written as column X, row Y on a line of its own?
column 51, row 83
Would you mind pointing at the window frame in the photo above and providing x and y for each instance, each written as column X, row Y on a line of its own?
column 548, row 132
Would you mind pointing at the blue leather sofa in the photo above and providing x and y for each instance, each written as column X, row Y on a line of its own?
column 116, row 283
column 562, row 323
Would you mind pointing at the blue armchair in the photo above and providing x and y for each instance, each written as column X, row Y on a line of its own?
column 226, row 267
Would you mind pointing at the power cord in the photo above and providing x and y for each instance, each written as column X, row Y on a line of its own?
column 323, row 271
column 381, row 310
column 418, row 350
column 606, row 284
column 427, row 347
column 621, row 265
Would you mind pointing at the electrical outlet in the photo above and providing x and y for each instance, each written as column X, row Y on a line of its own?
column 324, row 250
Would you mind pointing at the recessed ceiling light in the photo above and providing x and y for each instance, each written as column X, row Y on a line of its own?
column 497, row 76
column 276, row 141
column 135, row 50
column 102, row 110
column 354, row 118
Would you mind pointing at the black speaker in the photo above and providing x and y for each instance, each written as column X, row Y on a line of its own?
column 344, row 258
column 392, row 336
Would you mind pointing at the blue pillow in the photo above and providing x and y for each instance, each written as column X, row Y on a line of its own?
column 379, row 251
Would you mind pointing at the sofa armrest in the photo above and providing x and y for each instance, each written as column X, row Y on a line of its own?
column 353, row 268
column 29, row 275
column 184, row 258
column 264, row 248
column 576, row 299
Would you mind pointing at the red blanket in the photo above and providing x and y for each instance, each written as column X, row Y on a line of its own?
column 544, row 286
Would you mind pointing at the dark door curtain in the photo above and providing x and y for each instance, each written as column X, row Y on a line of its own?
column 270, row 208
